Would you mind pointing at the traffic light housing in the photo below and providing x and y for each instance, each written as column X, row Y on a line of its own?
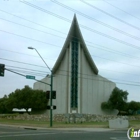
column 48, row 94
column 53, row 94
column 53, row 107
column 2, row 68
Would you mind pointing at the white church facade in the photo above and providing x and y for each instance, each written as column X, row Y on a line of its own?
column 79, row 88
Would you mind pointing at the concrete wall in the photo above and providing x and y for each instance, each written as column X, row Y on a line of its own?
column 61, row 81
column 95, row 89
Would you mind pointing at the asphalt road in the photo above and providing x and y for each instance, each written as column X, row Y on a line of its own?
column 13, row 133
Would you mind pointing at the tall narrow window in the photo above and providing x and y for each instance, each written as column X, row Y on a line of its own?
column 74, row 74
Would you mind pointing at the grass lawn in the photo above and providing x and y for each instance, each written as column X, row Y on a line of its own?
column 45, row 124
column 135, row 124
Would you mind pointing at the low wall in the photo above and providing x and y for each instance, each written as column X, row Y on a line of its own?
column 68, row 117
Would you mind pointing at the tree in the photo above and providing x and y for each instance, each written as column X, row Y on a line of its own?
column 3, row 105
column 25, row 98
column 39, row 100
column 117, row 100
column 133, row 106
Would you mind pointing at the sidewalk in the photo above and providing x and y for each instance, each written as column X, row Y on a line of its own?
column 64, row 129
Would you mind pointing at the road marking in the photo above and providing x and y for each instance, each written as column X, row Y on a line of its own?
column 77, row 132
column 18, row 135
column 113, row 138
column 120, row 138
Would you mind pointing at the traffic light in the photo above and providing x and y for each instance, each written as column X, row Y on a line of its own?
column 48, row 94
column 2, row 68
column 53, row 94
column 53, row 107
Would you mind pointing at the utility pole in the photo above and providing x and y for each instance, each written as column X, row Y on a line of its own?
column 51, row 86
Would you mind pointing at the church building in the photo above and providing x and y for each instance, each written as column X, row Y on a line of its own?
column 78, row 85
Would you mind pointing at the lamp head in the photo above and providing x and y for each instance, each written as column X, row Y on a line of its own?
column 30, row 48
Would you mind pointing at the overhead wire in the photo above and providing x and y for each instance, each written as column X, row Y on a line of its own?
column 100, row 22
column 100, row 68
column 25, row 63
column 28, row 72
column 90, row 55
column 120, row 9
column 41, row 66
column 29, row 38
column 25, row 54
column 69, row 71
column 32, row 28
column 85, row 2
column 93, row 79
column 85, row 27
column 115, row 61
column 27, row 69
column 34, row 39
column 104, row 48
column 32, row 21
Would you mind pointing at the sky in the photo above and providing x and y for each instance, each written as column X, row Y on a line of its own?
column 110, row 29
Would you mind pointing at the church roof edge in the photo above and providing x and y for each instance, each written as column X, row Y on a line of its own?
column 74, row 26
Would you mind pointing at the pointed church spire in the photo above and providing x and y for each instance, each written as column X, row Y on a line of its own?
column 75, row 33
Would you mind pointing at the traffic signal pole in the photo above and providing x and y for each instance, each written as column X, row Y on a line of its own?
column 51, row 85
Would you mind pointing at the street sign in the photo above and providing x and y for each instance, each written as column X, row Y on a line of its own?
column 30, row 77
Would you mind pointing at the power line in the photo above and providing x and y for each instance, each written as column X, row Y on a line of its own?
column 101, row 48
column 32, row 28
column 85, row 27
column 64, row 71
column 100, row 22
column 115, row 61
column 93, row 79
column 62, row 37
column 130, row 84
column 91, row 55
column 31, row 21
column 111, row 16
column 118, row 72
column 104, row 48
column 24, row 54
column 121, row 9
column 114, row 51
column 25, row 76
column 69, row 71
column 29, row 38
column 110, row 50
column 22, row 63
column 28, row 72
column 37, row 24
column 27, row 69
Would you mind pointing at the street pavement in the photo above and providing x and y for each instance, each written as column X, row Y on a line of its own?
column 36, row 133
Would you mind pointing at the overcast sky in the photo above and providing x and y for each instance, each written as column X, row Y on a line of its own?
column 110, row 29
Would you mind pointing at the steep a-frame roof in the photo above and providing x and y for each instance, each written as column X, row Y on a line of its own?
column 76, row 33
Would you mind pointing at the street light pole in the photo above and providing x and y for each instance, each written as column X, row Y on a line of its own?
column 51, row 86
